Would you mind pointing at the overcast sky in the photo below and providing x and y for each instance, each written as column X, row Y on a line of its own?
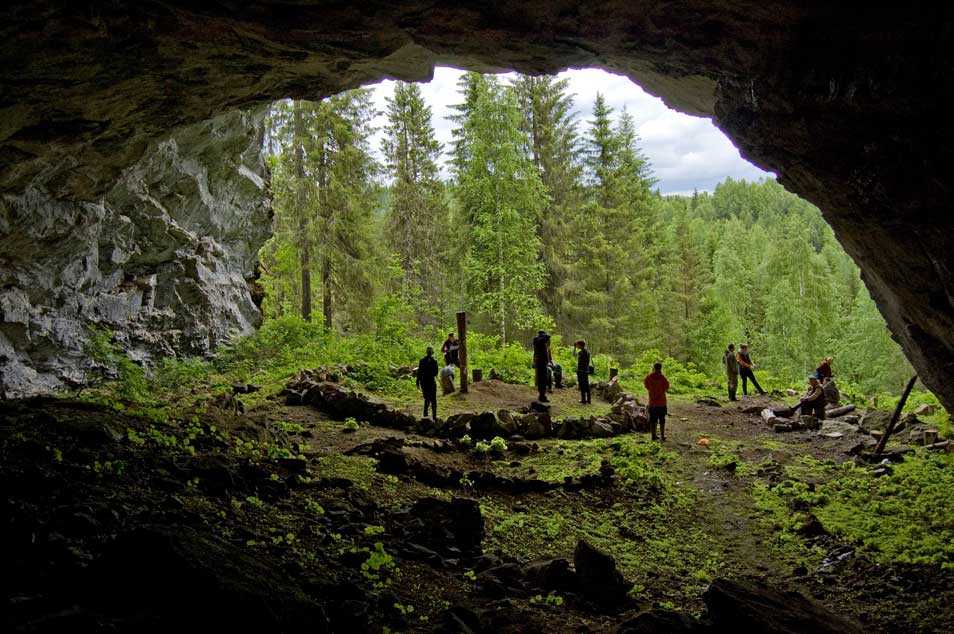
column 686, row 152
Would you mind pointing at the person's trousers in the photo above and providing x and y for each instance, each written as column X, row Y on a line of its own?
column 733, row 381
column 657, row 414
column 430, row 399
column 583, row 380
column 816, row 409
column 542, row 378
column 748, row 375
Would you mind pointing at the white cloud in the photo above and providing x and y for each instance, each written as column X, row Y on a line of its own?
column 685, row 152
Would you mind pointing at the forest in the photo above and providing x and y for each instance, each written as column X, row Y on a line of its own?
column 546, row 218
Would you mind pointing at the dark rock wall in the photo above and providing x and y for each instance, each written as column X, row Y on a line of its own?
column 845, row 101
column 163, row 258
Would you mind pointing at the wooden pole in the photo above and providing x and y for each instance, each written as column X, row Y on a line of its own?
column 895, row 417
column 462, row 353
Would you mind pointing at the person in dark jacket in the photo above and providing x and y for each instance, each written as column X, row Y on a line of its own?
column 583, row 371
column 745, row 370
column 813, row 403
column 427, row 381
column 541, row 364
column 823, row 371
column 450, row 350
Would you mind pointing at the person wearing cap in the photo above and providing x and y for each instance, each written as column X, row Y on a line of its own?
column 427, row 381
column 541, row 363
column 813, row 403
column 657, row 385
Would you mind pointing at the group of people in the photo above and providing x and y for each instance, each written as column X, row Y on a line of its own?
column 738, row 364
column 546, row 372
column 822, row 390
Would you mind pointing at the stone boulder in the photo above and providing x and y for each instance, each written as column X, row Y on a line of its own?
column 660, row 622
column 457, row 425
column 925, row 409
column 741, row 606
column 628, row 411
column 876, row 420
column 451, row 528
column 485, row 426
column 599, row 580
column 551, row 575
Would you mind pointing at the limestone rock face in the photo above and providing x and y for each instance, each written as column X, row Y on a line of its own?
column 847, row 106
column 163, row 258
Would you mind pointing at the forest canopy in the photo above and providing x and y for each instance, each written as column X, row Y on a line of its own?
column 547, row 219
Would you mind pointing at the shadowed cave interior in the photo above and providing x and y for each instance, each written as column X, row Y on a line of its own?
column 118, row 209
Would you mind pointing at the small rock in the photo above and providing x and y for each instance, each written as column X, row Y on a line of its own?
column 925, row 409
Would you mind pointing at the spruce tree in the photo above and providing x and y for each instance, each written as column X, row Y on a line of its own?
column 500, row 195
column 549, row 126
column 417, row 220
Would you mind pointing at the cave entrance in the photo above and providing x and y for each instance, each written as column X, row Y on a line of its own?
column 605, row 215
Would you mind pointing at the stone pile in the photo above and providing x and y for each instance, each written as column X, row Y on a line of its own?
column 315, row 388
column 629, row 411
column 609, row 391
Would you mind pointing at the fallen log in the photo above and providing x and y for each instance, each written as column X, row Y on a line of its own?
column 835, row 412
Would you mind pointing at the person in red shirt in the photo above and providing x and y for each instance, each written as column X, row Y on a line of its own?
column 657, row 385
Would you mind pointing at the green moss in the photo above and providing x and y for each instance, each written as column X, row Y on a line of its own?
column 903, row 517
column 358, row 469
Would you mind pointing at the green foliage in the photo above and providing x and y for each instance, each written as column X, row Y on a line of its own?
column 901, row 517
column 482, row 448
column 551, row 600
column 131, row 384
column 378, row 564
column 546, row 222
column 498, row 445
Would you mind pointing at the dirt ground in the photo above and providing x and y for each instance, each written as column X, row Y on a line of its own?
column 674, row 515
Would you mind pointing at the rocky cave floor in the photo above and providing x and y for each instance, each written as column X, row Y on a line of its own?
column 282, row 519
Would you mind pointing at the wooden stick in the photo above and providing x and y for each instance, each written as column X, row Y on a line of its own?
column 462, row 352
column 895, row 417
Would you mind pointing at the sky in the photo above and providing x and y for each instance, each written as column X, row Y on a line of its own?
column 686, row 153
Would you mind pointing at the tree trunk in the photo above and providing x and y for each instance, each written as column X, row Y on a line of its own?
column 326, row 301
column 304, row 244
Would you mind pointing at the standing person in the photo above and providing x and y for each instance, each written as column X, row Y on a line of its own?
column 583, row 371
column 823, row 371
column 427, row 381
column 449, row 350
column 541, row 363
column 813, row 403
column 657, row 385
column 745, row 370
column 731, row 370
